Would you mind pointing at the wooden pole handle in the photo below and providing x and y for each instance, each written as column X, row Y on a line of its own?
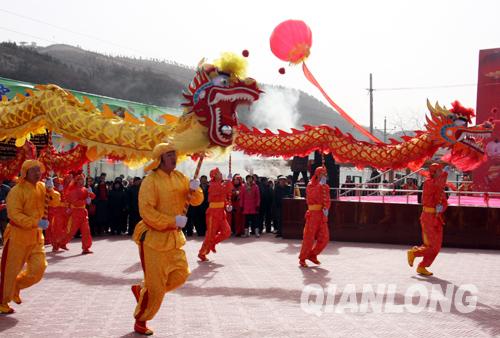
column 190, row 194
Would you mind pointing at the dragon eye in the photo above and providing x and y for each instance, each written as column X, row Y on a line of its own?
column 460, row 122
column 221, row 81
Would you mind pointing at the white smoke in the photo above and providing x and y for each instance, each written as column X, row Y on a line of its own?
column 240, row 164
column 276, row 109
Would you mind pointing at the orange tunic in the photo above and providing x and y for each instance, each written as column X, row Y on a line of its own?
column 316, row 233
column 78, row 219
column 218, row 228
column 432, row 220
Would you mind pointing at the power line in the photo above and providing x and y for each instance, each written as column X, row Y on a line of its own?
column 26, row 34
column 67, row 30
column 426, row 87
column 122, row 59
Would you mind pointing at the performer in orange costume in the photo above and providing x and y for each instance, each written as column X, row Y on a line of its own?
column 218, row 229
column 23, row 237
column 55, row 201
column 316, row 233
column 61, row 214
column 162, row 197
column 434, row 204
column 76, row 197
column 57, row 217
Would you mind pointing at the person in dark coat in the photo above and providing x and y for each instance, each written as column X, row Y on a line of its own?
column 282, row 190
column 266, row 204
column 299, row 166
column 117, row 202
column 196, row 215
column 133, row 205
column 101, row 203
column 4, row 191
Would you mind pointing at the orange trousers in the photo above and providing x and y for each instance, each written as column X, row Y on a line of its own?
column 15, row 256
column 58, row 226
column 218, row 229
column 48, row 232
column 164, row 271
column 432, row 235
column 79, row 220
column 316, row 234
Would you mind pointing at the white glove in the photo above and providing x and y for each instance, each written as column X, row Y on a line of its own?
column 194, row 184
column 89, row 189
column 43, row 224
column 325, row 212
column 439, row 208
column 180, row 221
column 229, row 177
column 49, row 183
column 229, row 208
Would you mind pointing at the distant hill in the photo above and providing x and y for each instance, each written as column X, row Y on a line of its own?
column 147, row 81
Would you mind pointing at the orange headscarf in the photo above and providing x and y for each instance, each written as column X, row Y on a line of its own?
column 29, row 164
column 213, row 173
column 158, row 150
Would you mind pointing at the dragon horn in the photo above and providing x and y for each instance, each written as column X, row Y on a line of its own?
column 430, row 107
column 442, row 111
column 202, row 61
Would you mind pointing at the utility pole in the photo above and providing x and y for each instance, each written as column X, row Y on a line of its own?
column 371, row 104
column 385, row 129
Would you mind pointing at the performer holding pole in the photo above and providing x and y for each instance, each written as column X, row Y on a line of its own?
column 162, row 199
column 316, row 233
column 218, row 229
column 434, row 205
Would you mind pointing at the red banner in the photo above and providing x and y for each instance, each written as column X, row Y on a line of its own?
column 487, row 176
column 335, row 106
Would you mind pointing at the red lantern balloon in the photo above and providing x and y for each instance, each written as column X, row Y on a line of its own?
column 245, row 53
column 291, row 41
column 281, row 70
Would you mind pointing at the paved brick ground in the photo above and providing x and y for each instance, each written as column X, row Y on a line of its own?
column 251, row 288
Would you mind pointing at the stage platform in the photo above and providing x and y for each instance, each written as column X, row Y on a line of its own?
column 397, row 222
column 251, row 288
column 470, row 201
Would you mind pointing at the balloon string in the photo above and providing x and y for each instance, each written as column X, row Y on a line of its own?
column 342, row 113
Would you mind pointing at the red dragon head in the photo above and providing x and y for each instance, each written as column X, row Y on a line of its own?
column 450, row 129
column 216, row 92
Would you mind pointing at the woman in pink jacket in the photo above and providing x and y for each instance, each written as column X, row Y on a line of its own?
column 250, row 202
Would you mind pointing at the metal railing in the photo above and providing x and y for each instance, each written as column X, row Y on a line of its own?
column 369, row 182
column 387, row 196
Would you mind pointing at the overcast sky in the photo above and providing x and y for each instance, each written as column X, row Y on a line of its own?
column 403, row 43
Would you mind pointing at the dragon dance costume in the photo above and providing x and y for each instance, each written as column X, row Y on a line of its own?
column 218, row 228
column 316, row 233
column 23, row 238
column 162, row 197
column 76, row 197
column 434, row 204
